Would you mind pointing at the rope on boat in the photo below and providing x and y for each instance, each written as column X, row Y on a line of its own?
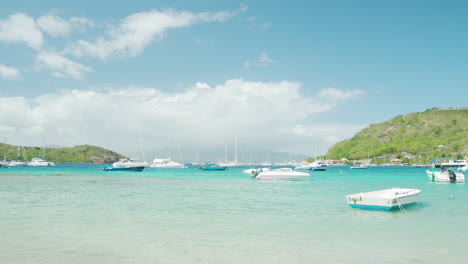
column 400, row 206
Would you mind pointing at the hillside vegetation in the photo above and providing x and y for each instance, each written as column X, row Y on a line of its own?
column 76, row 154
column 431, row 134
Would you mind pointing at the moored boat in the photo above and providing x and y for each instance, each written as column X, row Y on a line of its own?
column 40, row 162
column 281, row 174
column 17, row 163
column 212, row 167
column 166, row 164
column 385, row 200
column 123, row 168
column 127, row 165
column 440, row 173
column 360, row 166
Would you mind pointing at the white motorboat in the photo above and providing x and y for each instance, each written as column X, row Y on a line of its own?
column 35, row 162
column 439, row 173
column 166, row 164
column 385, row 200
column 127, row 165
column 303, row 166
column 130, row 163
column 360, row 166
column 281, row 174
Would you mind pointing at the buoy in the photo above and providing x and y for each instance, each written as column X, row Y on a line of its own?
column 452, row 196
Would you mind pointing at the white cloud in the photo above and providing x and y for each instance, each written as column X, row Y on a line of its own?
column 21, row 28
column 62, row 67
column 259, row 114
column 336, row 94
column 81, row 23
column 138, row 30
column 54, row 25
column 263, row 61
column 8, row 73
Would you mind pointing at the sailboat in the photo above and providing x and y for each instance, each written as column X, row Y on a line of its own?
column 227, row 163
column 167, row 163
column 18, row 162
column 40, row 161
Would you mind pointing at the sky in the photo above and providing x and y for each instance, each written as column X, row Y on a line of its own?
column 292, row 77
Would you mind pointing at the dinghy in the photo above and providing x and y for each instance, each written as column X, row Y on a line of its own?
column 385, row 200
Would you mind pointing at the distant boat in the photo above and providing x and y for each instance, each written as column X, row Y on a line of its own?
column 360, row 166
column 38, row 161
column 212, row 167
column 17, row 163
column 281, row 174
column 127, row 165
column 318, row 166
column 128, row 168
column 384, row 199
column 439, row 173
column 255, row 170
column 166, row 164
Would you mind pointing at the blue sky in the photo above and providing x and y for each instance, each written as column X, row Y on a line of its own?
column 292, row 77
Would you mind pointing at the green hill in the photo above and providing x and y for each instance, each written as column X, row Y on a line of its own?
column 435, row 133
column 76, row 154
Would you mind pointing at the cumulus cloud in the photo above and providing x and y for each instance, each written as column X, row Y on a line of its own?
column 8, row 73
column 260, row 114
column 21, row 28
column 263, row 61
column 138, row 30
column 54, row 25
column 62, row 67
column 81, row 23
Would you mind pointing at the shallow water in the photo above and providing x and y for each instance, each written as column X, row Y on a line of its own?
column 77, row 213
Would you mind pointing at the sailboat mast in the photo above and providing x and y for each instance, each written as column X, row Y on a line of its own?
column 225, row 153
column 235, row 160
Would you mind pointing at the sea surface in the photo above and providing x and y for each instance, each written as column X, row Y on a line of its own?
column 77, row 213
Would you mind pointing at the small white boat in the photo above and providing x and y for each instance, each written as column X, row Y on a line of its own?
column 439, row 173
column 360, row 166
column 127, row 165
column 35, row 162
column 464, row 168
column 385, row 200
column 130, row 163
column 166, row 164
column 281, row 174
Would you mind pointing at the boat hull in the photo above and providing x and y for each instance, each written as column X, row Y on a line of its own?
column 111, row 168
column 445, row 176
column 384, row 200
column 214, row 168
column 282, row 177
column 282, row 174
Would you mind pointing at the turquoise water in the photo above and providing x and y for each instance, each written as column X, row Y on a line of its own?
column 81, row 214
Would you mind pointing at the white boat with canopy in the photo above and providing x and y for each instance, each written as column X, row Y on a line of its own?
column 440, row 173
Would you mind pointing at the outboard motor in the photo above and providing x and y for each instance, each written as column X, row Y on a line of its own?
column 452, row 176
column 255, row 173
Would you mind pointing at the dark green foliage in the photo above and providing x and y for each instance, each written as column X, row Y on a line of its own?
column 76, row 154
column 431, row 134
